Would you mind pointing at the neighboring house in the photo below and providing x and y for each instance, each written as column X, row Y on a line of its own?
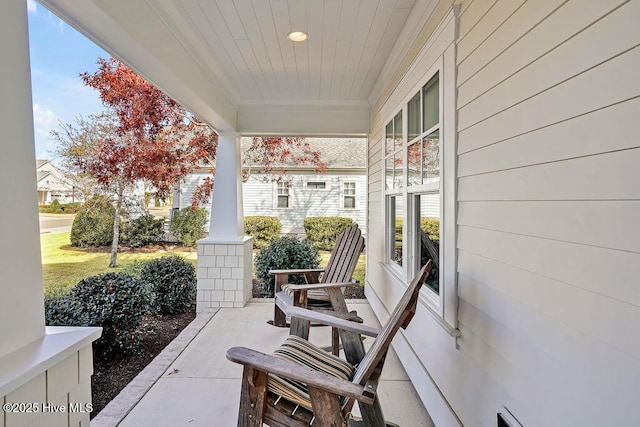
column 51, row 184
column 338, row 191
column 524, row 115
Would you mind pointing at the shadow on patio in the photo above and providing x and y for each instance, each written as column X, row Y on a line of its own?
column 200, row 387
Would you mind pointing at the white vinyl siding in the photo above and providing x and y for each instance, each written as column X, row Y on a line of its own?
column 548, row 201
column 258, row 198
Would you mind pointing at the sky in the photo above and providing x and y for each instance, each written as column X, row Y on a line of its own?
column 58, row 55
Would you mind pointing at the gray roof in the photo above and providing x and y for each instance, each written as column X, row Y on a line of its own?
column 40, row 163
column 336, row 153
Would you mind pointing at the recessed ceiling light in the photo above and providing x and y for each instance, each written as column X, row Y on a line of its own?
column 297, row 36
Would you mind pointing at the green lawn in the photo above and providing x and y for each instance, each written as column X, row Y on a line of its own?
column 63, row 266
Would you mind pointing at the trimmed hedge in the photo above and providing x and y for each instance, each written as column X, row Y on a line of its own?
column 284, row 253
column 57, row 207
column 187, row 225
column 263, row 229
column 172, row 281
column 431, row 226
column 93, row 225
column 324, row 230
column 114, row 301
column 142, row 231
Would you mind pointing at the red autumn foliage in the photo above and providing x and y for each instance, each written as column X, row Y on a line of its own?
column 155, row 139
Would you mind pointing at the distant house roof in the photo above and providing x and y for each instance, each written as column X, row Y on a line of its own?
column 336, row 153
column 42, row 175
column 40, row 163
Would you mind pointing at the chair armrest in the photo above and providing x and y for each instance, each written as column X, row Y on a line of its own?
column 283, row 368
column 329, row 320
column 320, row 286
column 297, row 271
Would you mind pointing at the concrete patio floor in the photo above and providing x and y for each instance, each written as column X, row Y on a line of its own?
column 202, row 388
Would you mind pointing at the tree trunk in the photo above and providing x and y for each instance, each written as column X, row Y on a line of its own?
column 116, row 229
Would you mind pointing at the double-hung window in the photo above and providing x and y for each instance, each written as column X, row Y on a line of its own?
column 394, row 184
column 419, row 171
column 282, row 195
column 348, row 195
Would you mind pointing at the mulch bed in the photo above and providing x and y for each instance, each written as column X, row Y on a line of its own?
column 113, row 373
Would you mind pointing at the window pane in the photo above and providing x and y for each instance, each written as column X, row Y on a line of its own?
column 349, row 188
column 428, row 238
column 413, row 117
column 388, row 182
column 431, row 103
column 396, row 230
column 414, row 162
column 431, row 157
column 283, row 201
column 389, row 138
column 397, row 174
column 316, row 185
column 397, row 130
column 349, row 202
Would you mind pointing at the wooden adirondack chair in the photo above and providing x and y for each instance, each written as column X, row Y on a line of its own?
column 302, row 385
column 321, row 292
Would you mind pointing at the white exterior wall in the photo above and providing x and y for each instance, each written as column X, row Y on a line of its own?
column 259, row 198
column 547, row 230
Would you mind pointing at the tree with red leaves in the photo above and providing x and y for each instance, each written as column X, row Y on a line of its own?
column 143, row 135
column 146, row 135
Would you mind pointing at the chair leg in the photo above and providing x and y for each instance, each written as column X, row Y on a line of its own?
column 326, row 408
column 252, row 397
column 372, row 414
column 279, row 318
column 300, row 328
column 335, row 341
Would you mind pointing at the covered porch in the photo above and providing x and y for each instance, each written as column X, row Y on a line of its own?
column 197, row 386
column 514, row 120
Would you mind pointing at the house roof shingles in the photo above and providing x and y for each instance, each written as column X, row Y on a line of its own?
column 336, row 153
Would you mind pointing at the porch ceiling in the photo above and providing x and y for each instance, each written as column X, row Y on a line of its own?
column 231, row 63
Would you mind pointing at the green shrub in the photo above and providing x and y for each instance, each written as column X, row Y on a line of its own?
column 263, row 229
column 114, row 301
column 187, row 225
column 142, row 231
column 71, row 207
column 172, row 281
column 93, row 225
column 59, row 311
column 324, row 230
column 284, row 253
column 57, row 207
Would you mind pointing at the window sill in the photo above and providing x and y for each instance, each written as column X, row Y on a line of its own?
column 392, row 271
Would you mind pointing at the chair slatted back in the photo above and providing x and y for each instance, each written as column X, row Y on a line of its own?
column 400, row 317
column 345, row 256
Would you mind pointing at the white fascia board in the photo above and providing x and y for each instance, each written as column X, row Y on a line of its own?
column 330, row 119
column 138, row 35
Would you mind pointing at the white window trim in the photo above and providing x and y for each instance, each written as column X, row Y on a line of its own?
column 443, row 305
column 275, row 197
column 343, row 195
column 327, row 185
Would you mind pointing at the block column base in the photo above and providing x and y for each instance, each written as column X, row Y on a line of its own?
column 225, row 278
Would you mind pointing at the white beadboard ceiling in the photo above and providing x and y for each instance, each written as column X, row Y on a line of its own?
column 349, row 40
column 235, row 53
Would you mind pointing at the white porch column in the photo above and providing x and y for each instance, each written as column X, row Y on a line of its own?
column 21, row 314
column 37, row 366
column 224, row 258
